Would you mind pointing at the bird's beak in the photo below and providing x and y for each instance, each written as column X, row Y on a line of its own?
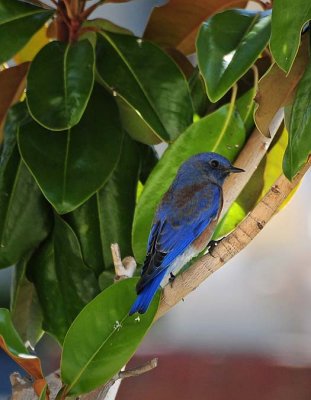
column 235, row 170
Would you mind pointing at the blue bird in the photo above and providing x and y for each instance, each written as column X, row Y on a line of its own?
column 184, row 222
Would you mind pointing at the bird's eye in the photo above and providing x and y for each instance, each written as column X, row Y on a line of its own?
column 214, row 163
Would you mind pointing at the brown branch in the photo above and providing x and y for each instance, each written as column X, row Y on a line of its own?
column 123, row 268
column 245, row 232
column 101, row 393
column 249, row 159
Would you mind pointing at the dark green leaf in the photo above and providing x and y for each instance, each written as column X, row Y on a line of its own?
column 149, row 159
column 19, row 21
column 13, row 342
column 24, row 215
column 77, row 161
column 25, row 307
column 149, row 83
column 245, row 106
column 64, row 283
column 288, row 18
column 299, row 140
column 105, row 342
column 198, row 93
column 222, row 132
column 136, row 127
column 228, row 44
column 60, row 82
column 176, row 23
column 107, row 217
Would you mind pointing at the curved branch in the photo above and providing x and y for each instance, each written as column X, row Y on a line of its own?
column 245, row 232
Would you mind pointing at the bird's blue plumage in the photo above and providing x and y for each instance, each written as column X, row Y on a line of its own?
column 188, row 208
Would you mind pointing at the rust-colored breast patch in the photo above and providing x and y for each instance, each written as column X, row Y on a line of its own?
column 202, row 241
column 183, row 196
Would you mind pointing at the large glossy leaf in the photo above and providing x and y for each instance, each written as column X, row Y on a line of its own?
column 18, row 22
column 105, row 341
column 299, row 140
column 221, row 132
column 64, row 283
column 24, row 215
column 77, row 161
column 12, row 84
column 148, row 82
column 288, row 18
column 25, row 308
column 267, row 172
column 276, row 90
column 228, row 44
column 107, row 216
column 176, row 23
column 12, row 344
column 66, row 83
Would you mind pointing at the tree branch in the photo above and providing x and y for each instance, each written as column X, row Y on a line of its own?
column 123, row 268
column 249, row 159
column 245, row 232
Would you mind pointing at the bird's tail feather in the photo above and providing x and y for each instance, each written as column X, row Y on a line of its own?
column 145, row 297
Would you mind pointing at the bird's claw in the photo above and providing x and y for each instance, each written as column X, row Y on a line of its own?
column 171, row 278
column 211, row 246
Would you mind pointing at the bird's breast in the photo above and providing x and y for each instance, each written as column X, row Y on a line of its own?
column 202, row 240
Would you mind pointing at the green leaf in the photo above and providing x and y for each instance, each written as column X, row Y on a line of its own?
column 25, row 308
column 276, row 89
column 299, row 140
column 228, row 44
column 133, row 123
column 288, row 18
column 107, row 217
column 13, row 342
column 106, row 25
column 58, row 91
column 245, row 106
column 149, row 159
column 176, row 23
column 19, row 21
column 64, row 283
column 147, row 80
column 77, row 161
column 221, row 132
column 198, row 93
column 105, row 342
column 24, row 215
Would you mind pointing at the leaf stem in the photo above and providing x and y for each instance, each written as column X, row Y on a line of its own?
column 86, row 13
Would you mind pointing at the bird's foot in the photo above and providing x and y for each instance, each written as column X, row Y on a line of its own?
column 211, row 246
column 171, row 278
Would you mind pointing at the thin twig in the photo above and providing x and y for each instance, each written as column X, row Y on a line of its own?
column 123, row 268
column 88, row 11
column 101, row 393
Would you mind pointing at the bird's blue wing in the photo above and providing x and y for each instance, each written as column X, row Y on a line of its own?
column 181, row 218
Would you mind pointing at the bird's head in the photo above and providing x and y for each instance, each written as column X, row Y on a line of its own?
column 213, row 166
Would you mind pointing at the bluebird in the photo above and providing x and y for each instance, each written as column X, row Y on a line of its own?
column 184, row 222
